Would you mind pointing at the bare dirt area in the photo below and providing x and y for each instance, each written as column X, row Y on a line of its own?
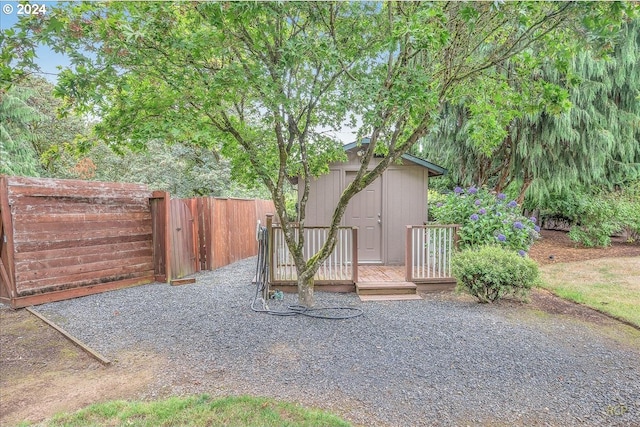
column 42, row 373
column 556, row 247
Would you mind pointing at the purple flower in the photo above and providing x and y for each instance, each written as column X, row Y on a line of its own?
column 439, row 204
column 478, row 202
column 512, row 204
column 521, row 253
column 472, row 190
column 537, row 229
column 502, row 237
column 518, row 225
column 482, row 211
column 474, row 217
column 533, row 219
column 457, row 190
column 501, row 196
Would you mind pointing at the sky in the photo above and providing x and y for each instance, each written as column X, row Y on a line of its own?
column 50, row 62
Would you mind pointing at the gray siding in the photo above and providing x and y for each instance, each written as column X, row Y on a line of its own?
column 405, row 204
column 404, row 201
column 323, row 197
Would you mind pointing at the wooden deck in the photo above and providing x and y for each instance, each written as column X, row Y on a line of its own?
column 381, row 273
column 384, row 283
column 373, row 282
column 391, row 274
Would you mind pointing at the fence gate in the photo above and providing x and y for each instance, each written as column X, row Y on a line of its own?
column 183, row 234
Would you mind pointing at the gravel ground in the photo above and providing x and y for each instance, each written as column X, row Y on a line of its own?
column 441, row 361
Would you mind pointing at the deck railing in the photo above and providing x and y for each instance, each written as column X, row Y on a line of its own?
column 339, row 267
column 429, row 251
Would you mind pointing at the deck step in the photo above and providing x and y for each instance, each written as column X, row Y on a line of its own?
column 398, row 297
column 385, row 288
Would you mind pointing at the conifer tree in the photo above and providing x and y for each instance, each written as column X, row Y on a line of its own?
column 579, row 124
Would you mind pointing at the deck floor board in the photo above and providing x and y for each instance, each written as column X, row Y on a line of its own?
column 381, row 273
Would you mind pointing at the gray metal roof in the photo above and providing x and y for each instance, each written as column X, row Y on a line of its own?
column 434, row 170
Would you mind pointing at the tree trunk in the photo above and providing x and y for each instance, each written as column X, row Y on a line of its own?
column 305, row 291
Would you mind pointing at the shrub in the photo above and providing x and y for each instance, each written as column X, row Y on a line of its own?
column 486, row 219
column 491, row 272
column 597, row 214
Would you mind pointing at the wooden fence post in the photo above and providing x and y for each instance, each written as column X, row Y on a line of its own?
column 7, row 262
column 456, row 237
column 160, row 211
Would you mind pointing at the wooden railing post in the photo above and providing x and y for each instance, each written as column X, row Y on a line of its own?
column 354, row 255
column 408, row 261
column 270, row 251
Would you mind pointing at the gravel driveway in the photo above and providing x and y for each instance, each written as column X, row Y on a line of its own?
column 440, row 361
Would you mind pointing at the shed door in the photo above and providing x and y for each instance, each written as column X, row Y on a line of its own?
column 365, row 212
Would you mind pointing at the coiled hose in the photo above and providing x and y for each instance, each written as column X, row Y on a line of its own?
column 262, row 290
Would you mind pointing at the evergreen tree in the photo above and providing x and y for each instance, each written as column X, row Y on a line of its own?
column 17, row 156
column 579, row 125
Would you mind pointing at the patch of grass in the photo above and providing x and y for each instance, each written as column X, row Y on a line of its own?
column 199, row 411
column 608, row 285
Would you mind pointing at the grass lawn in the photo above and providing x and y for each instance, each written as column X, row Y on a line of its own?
column 199, row 411
column 611, row 285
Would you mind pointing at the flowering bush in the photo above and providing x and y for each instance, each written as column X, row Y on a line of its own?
column 491, row 272
column 486, row 219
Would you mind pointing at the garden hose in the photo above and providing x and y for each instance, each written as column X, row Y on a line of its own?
column 262, row 290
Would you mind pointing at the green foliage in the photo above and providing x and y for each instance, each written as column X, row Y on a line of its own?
column 183, row 170
column 490, row 273
column 596, row 222
column 597, row 214
column 486, row 219
column 562, row 120
column 34, row 140
column 17, row 155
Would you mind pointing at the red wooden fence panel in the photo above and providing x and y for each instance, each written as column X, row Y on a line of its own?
column 160, row 216
column 208, row 233
column 233, row 231
column 67, row 238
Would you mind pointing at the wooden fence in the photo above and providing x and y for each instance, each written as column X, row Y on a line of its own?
column 429, row 251
column 67, row 238
column 205, row 233
column 61, row 239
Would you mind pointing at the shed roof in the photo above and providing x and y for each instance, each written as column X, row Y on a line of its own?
column 434, row 170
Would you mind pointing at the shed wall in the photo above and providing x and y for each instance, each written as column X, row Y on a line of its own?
column 404, row 201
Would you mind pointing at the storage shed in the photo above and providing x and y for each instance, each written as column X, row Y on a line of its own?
column 381, row 211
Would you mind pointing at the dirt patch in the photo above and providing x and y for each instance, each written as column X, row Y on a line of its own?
column 43, row 373
column 556, row 247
